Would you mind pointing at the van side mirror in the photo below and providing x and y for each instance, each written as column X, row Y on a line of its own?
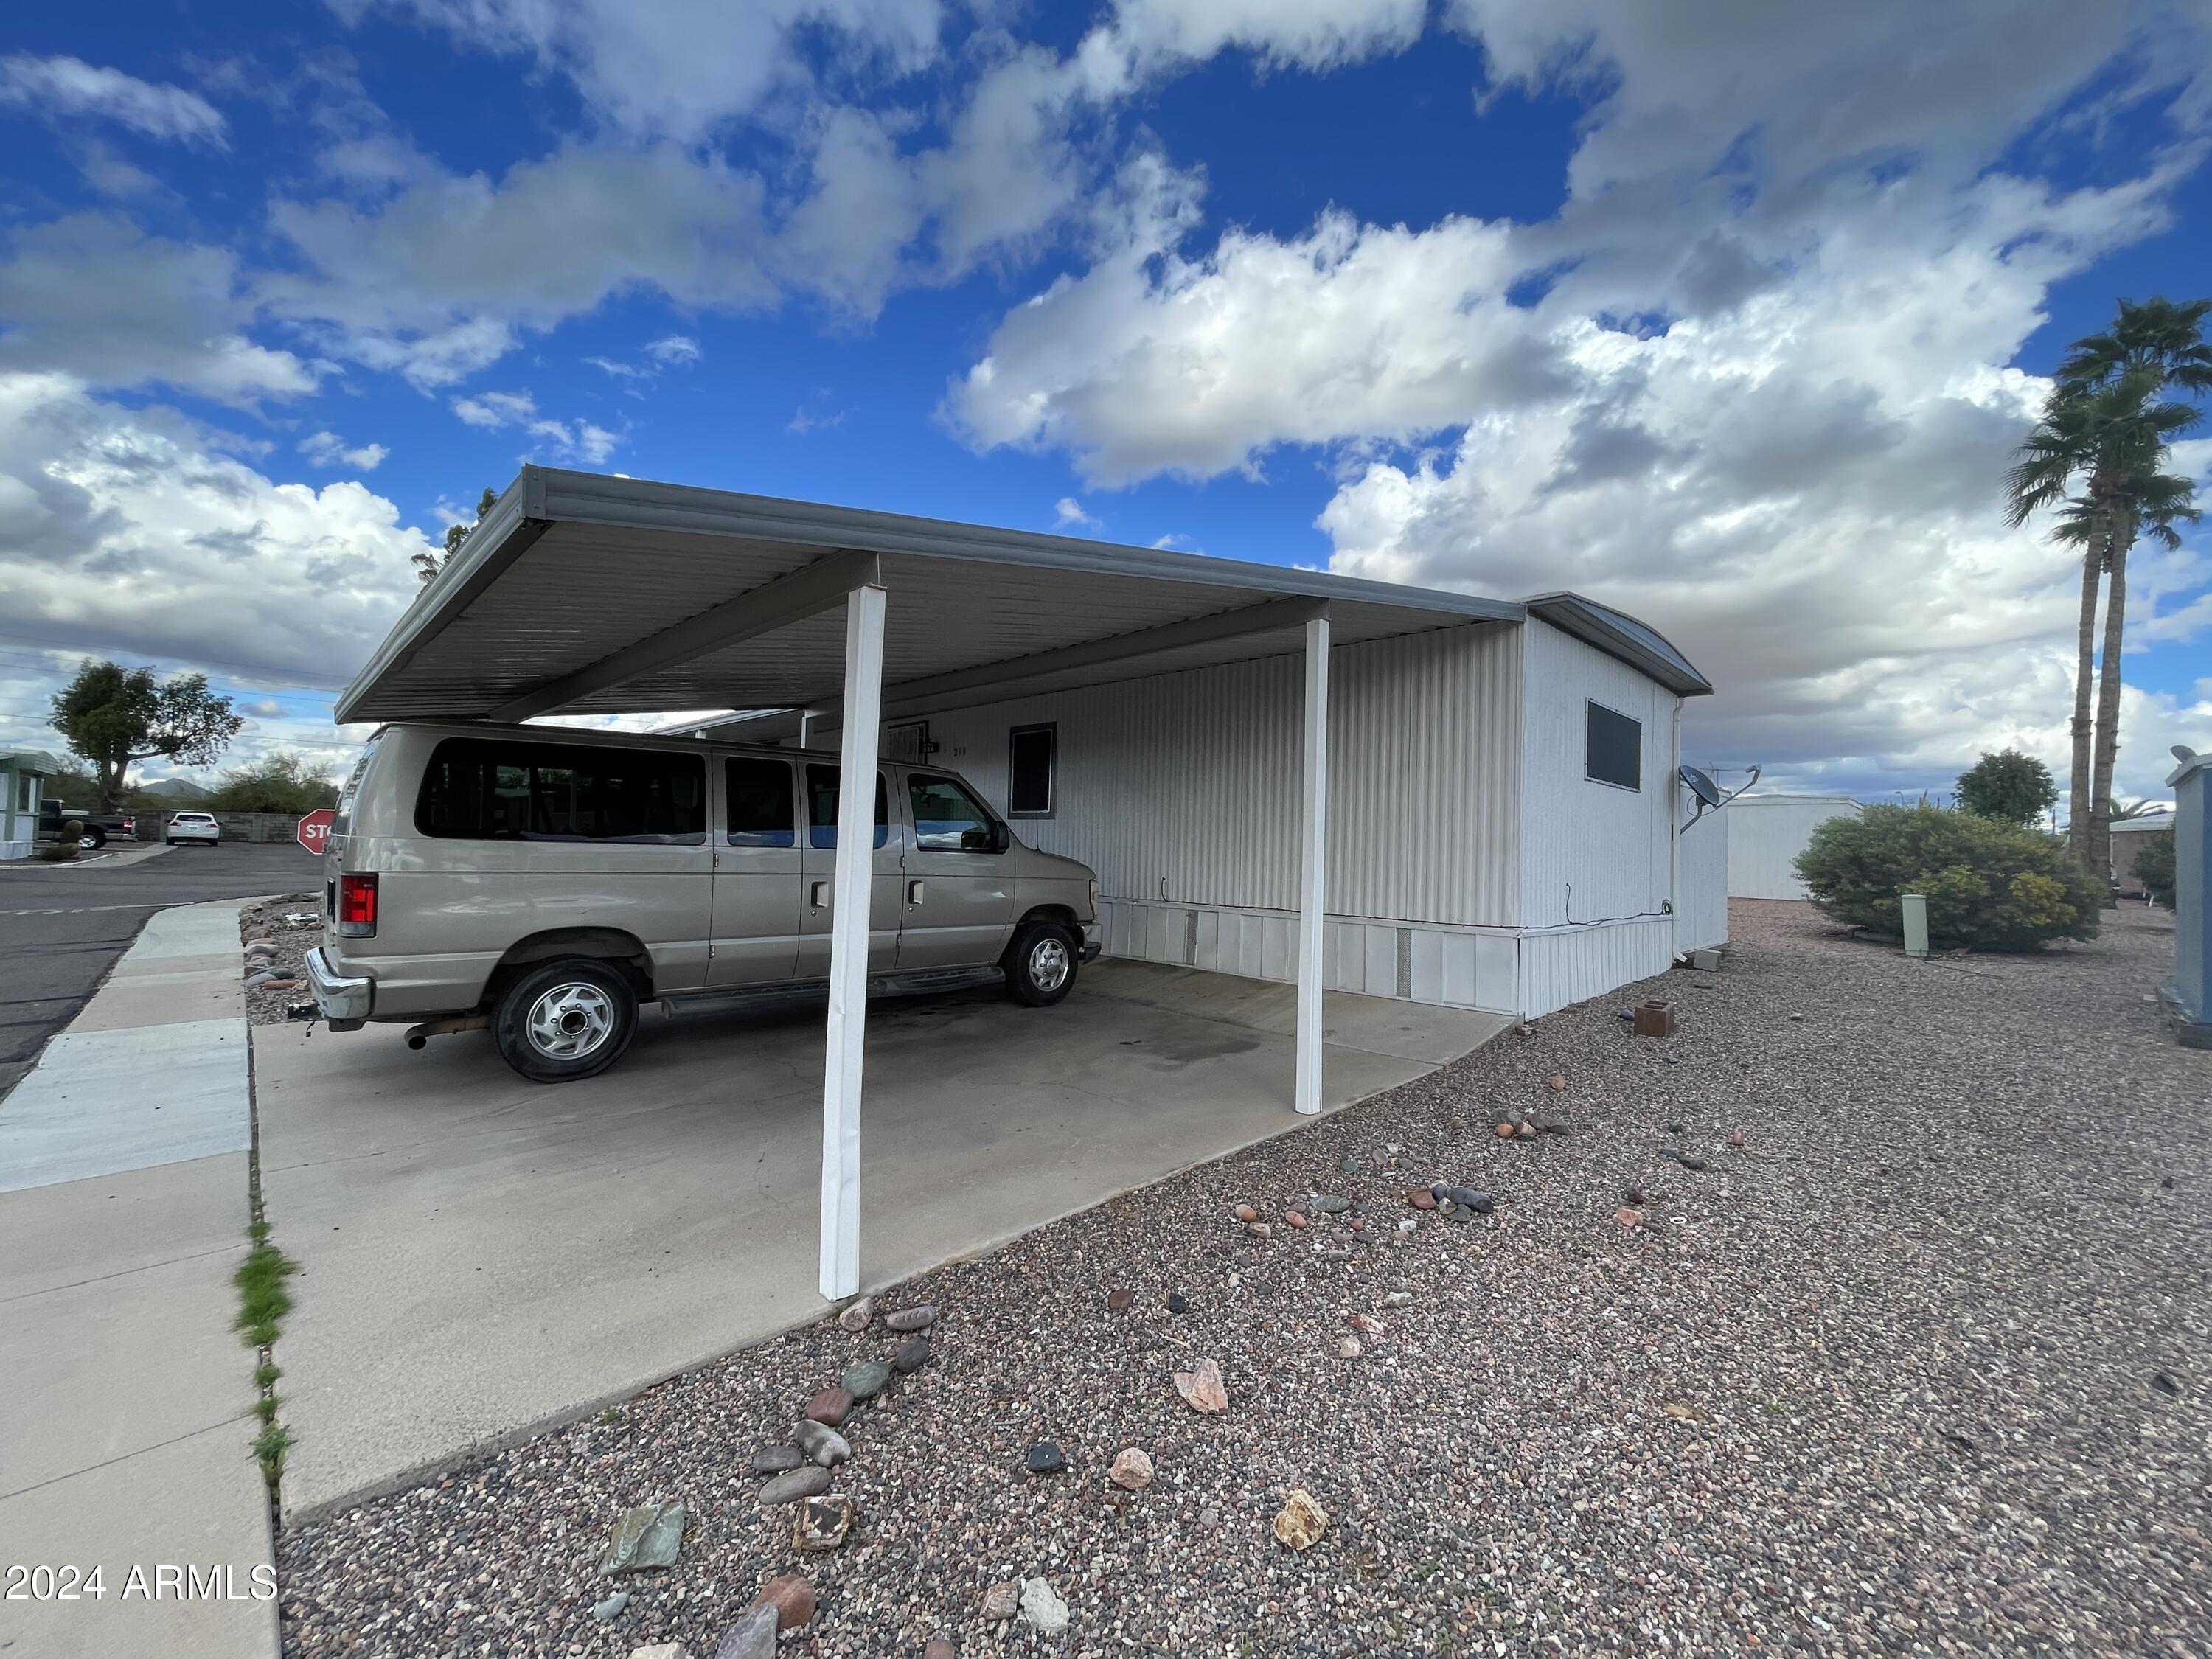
column 1001, row 837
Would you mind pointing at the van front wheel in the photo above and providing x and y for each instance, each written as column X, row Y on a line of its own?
column 566, row 1019
column 1041, row 967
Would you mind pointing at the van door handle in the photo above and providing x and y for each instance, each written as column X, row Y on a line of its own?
column 913, row 892
column 819, row 897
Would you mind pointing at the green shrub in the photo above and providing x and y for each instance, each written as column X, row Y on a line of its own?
column 56, row 852
column 2154, row 867
column 1989, row 886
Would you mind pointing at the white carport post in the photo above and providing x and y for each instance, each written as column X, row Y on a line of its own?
column 1313, row 865
column 848, row 944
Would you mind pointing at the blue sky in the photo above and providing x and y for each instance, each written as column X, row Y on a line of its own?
column 1726, row 317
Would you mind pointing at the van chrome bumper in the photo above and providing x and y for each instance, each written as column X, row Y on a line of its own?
column 346, row 1003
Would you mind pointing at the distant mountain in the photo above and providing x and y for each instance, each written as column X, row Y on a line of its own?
column 174, row 788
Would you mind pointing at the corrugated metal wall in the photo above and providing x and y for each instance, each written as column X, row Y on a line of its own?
column 1765, row 835
column 1183, row 788
column 1701, row 868
column 1576, row 965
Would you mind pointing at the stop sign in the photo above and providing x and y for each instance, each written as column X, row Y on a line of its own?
column 314, row 830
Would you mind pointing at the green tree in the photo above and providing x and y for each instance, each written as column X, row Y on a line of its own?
column 111, row 715
column 2154, row 867
column 2115, row 386
column 427, row 565
column 1988, row 886
column 282, row 782
column 2008, row 786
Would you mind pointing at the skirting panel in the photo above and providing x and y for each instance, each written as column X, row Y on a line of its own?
column 1572, row 965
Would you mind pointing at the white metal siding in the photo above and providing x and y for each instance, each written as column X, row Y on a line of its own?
column 1557, row 969
column 1701, row 868
column 1183, row 788
column 1765, row 835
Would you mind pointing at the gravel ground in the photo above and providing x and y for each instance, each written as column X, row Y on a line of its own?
column 1923, row 1366
column 264, row 919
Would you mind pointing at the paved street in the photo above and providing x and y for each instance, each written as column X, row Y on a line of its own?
column 66, row 925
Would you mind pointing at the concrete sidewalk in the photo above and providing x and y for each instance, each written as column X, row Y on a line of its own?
column 122, row 1214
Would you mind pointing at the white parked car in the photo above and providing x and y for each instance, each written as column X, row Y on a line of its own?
column 199, row 827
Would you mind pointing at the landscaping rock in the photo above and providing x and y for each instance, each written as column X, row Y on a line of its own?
column 809, row 1480
column 1628, row 1218
column 1042, row 1609
column 1301, row 1522
column 939, row 1648
column 1120, row 1301
column 822, row 1443
column 611, row 1607
column 913, row 1354
column 775, row 1459
column 821, row 1523
column 1260, row 1230
column 659, row 1651
column 1178, row 1303
column 1331, row 1204
column 858, row 1315
column 1421, row 1199
column 912, row 1319
column 831, row 1405
column 1001, row 1603
column 867, row 1379
column 1201, row 1387
column 1348, row 1347
column 753, row 1636
column 646, row 1536
column 1045, row 1458
column 1132, row 1469
column 793, row 1597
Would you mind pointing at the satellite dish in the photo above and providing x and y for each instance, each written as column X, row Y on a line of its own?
column 1699, row 785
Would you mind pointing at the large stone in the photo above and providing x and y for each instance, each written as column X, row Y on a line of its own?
column 809, row 1481
column 752, row 1637
column 822, row 1443
column 939, row 1648
column 821, row 1523
column 1001, row 1603
column 1421, row 1198
column 1131, row 1468
column 1045, row 1458
column 646, row 1536
column 1201, row 1387
column 913, row 1354
column 660, row 1650
column 857, row 1315
column 1042, row 1609
column 912, row 1319
column 792, row 1596
column 867, row 1379
column 1301, row 1522
column 1120, row 1301
column 1330, row 1204
column 775, row 1459
column 830, row 1406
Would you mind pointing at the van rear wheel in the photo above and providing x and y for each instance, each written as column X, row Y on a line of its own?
column 566, row 1019
column 1041, row 966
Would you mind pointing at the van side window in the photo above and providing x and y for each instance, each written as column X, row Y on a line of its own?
column 822, row 808
column 506, row 789
column 947, row 819
column 761, row 810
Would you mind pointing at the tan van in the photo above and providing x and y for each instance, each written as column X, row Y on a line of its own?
column 545, row 883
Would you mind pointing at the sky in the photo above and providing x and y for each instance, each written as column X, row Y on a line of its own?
column 1726, row 313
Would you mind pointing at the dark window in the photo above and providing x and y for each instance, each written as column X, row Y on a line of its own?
column 761, row 812
column 948, row 819
column 1615, row 752
column 821, row 807
column 1031, row 763
column 507, row 789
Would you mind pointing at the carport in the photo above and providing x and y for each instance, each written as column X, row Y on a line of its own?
column 581, row 594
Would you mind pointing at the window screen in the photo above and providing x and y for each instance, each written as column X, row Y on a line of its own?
column 502, row 789
column 758, row 795
column 947, row 818
column 821, row 807
column 1031, row 758
column 1615, row 752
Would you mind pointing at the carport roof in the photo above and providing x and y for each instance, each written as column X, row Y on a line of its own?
column 584, row 593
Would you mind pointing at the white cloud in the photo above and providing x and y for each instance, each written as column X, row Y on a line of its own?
column 328, row 449
column 130, row 533
column 1308, row 35
column 569, row 440
column 90, row 296
column 1067, row 514
column 673, row 350
column 70, row 87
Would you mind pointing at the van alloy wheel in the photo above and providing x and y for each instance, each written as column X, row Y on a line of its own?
column 1049, row 963
column 570, row 1021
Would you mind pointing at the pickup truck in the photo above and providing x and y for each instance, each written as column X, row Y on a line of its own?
column 97, row 826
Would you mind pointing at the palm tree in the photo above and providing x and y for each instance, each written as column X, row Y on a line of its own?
column 2161, row 339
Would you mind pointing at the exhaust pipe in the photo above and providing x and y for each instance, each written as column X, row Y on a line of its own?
column 418, row 1034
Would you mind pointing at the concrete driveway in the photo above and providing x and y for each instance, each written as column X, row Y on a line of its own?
column 483, row 1257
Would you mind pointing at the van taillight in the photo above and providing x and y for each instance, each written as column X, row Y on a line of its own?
column 358, row 906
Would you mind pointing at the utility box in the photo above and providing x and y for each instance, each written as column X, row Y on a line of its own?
column 2188, row 996
column 1915, row 909
column 1654, row 1018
